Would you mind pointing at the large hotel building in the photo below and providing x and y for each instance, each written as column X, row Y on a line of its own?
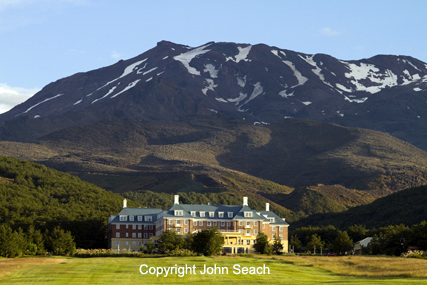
column 133, row 228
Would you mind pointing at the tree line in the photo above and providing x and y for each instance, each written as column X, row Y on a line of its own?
column 389, row 240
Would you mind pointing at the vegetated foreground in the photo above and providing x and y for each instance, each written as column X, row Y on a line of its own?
column 283, row 270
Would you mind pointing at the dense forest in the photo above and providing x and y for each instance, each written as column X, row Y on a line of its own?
column 35, row 197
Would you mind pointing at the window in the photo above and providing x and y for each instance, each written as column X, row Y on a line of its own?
column 139, row 218
column 178, row 222
column 170, row 222
column 117, row 243
column 228, row 224
column 281, row 236
column 178, row 230
column 150, row 227
column 273, row 236
column 241, row 223
column 117, row 226
column 271, row 220
column 202, row 214
column 117, row 235
column 185, row 230
column 139, row 227
column 255, row 232
column 127, row 234
column 248, row 242
column 193, row 213
column 140, row 243
column 230, row 214
column 248, row 214
column 127, row 226
column 263, row 225
column 194, row 223
column 145, row 235
column 133, row 235
column 221, row 214
column 134, row 243
column 127, row 243
column 222, row 223
column 123, row 218
column 150, row 234
column 274, row 228
column 241, row 231
column 179, row 212
column 131, row 218
column 281, row 229
column 214, row 223
column 248, row 232
column 145, row 227
column 200, row 223
column 148, row 218
column 248, row 223
column 209, row 223
column 255, row 223
column 211, row 214
column 185, row 222
column 133, row 227
column 139, row 235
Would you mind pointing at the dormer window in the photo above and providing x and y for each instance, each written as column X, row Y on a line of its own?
column 193, row 213
column 139, row 218
column 230, row 214
column 202, row 214
column 271, row 220
column 248, row 214
column 211, row 214
column 179, row 212
column 221, row 214
column 123, row 218
column 148, row 218
column 131, row 218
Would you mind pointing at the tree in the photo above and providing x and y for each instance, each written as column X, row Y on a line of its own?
column 35, row 238
column 12, row 243
column 277, row 246
column 61, row 242
column 295, row 243
column 170, row 240
column 342, row 243
column 261, row 244
column 150, row 247
column 208, row 242
column 188, row 241
column 315, row 241
column 357, row 232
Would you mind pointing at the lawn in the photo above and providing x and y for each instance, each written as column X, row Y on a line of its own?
column 125, row 270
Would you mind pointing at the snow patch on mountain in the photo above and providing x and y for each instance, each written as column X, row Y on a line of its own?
column 242, row 55
column 284, row 93
column 45, row 100
column 241, row 81
column 242, row 96
column 369, row 72
column 211, row 69
column 186, row 57
column 108, row 93
column 78, row 102
column 130, row 85
column 301, row 79
column 361, row 100
column 256, row 92
column 128, row 70
column 211, row 86
column 148, row 71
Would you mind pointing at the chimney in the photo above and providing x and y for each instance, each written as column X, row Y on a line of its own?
column 176, row 200
column 267, row 207
column 125, row 203
column 245, row 201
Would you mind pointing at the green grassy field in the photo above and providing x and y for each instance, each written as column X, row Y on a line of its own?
column 116, row 270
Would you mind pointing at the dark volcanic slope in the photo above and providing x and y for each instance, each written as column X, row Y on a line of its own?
column 291, row 152
column 259, row 83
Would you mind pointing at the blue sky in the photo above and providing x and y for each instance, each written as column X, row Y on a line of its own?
column 42, row 41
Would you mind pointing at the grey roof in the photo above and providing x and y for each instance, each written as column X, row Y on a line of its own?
column 277, row 220
column 137, row 212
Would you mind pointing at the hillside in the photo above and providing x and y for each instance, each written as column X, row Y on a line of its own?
column 332, row 168
column 404, row 207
